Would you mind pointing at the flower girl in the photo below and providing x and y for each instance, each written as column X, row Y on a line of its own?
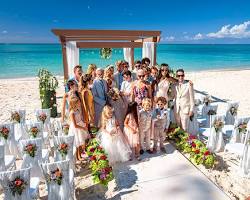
column 77, row 126
column 131, row 129
column 112, row 139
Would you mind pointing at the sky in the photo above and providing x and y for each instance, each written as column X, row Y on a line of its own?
column 181, row 21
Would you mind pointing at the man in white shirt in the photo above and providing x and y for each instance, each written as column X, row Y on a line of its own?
column 127, row 86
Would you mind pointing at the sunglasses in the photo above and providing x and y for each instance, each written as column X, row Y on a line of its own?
column 141, row 76
column 182, row 75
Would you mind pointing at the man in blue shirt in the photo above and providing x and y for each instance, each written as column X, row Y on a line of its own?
column 118, row 76
column 77, row 74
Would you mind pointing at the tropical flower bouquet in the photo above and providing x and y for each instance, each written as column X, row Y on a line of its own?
column 66, row 129
column 4, row 132
column 30, row 149
column 114, row 94
column 242, row 127
column 42, row 117
column 15, row 117
column 63, row 149
column 197, row 150
column 34, row 131
column 17, row 186
column 99, row 164
column 233, row 110
column 207, row 100
column 55, row 176
column 218, row 125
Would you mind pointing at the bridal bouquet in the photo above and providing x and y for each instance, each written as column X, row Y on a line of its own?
column 15, row 117
column 242, row 127
column 218, row 125
column 63, row 149
column 4, row 132
column 34, row 131
column 114, row 94
column 17, row 186
column 207, row 100
column 55, row 176
column 233, row 110
column 30, row 149
column 42, row 117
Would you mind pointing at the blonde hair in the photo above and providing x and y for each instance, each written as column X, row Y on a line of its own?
column 146, row 101
column 91, row 68
column 105, row 117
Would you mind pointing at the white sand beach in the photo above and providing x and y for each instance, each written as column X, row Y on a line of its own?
column 226, row 85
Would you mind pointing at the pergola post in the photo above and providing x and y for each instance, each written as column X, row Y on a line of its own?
column 65, row 62
column 155, row 43
column 132, row 56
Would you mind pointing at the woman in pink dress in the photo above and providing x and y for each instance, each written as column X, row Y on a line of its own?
column 131, row 129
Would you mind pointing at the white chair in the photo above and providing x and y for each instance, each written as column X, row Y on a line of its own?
column 63, row 190
column 59, row 156
column 215, row 140
column 8, row 162
column 11, row 145
column 40, row 155
column 208, row 111
column 19, row 127
column 238, row 135
column 231, row 112
column 30, row 191
column 31, row 127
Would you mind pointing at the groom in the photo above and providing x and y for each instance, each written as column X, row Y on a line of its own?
column 99, row 91
column 184, row 101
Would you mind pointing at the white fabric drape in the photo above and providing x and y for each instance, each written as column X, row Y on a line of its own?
column 65, row 191
column 245, row 161
column 238, row 137
column 148, row 51
column 215, row 140
column 72, row 56
column 229, row 117
column 127, row 56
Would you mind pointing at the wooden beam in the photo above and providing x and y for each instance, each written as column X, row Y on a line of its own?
column 108, row 44
column 150, row 39
column 79, row 32
column 76, row 38
column 64, row 55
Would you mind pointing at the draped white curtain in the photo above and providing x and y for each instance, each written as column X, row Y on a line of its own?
column 72, row 56
column 127, row 55
column 148, row 51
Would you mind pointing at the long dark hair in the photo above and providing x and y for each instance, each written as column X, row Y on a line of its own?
column 132, row 109
column 160, row 72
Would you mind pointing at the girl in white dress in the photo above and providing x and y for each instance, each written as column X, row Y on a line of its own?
column 112, row 139
column 77, row 126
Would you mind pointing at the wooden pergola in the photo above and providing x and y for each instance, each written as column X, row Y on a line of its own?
column 106, row 39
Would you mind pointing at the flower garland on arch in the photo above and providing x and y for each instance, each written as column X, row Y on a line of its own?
column 105, row 53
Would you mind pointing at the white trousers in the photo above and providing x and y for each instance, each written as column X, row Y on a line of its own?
column 145, row 138
column 159, row 134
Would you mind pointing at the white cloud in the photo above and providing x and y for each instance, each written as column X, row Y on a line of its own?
column 198, row 36
column 184, row 33
column 169, row 38
column 4, row 32
column 236, row 31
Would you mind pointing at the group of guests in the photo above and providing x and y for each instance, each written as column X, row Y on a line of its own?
column 130, row 107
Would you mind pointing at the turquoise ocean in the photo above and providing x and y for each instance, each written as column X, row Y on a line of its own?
column 24, row 60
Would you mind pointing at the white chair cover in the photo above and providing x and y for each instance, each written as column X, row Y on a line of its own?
column 230, row 119
column 208, row 109
column 245, row 161
column 72, row 53
column 215, row 140
column 46, row 125
column 11, row 145
column 31, row 124
column 7, row 177
column 6, row 161
column 193, row 125
column 19, row 128
column 32, row 162
column 237, row 136
column 65, row 191
column 69, row 140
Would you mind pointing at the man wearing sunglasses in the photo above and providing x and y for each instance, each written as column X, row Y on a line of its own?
column 184, row 100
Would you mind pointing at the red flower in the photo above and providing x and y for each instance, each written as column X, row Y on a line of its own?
column 103, row 157
column 207, row 153
column 192, row 137
column 92, row 149
column 193, row 145
column 18, row 182
column 197, row 151
column 92, row 158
